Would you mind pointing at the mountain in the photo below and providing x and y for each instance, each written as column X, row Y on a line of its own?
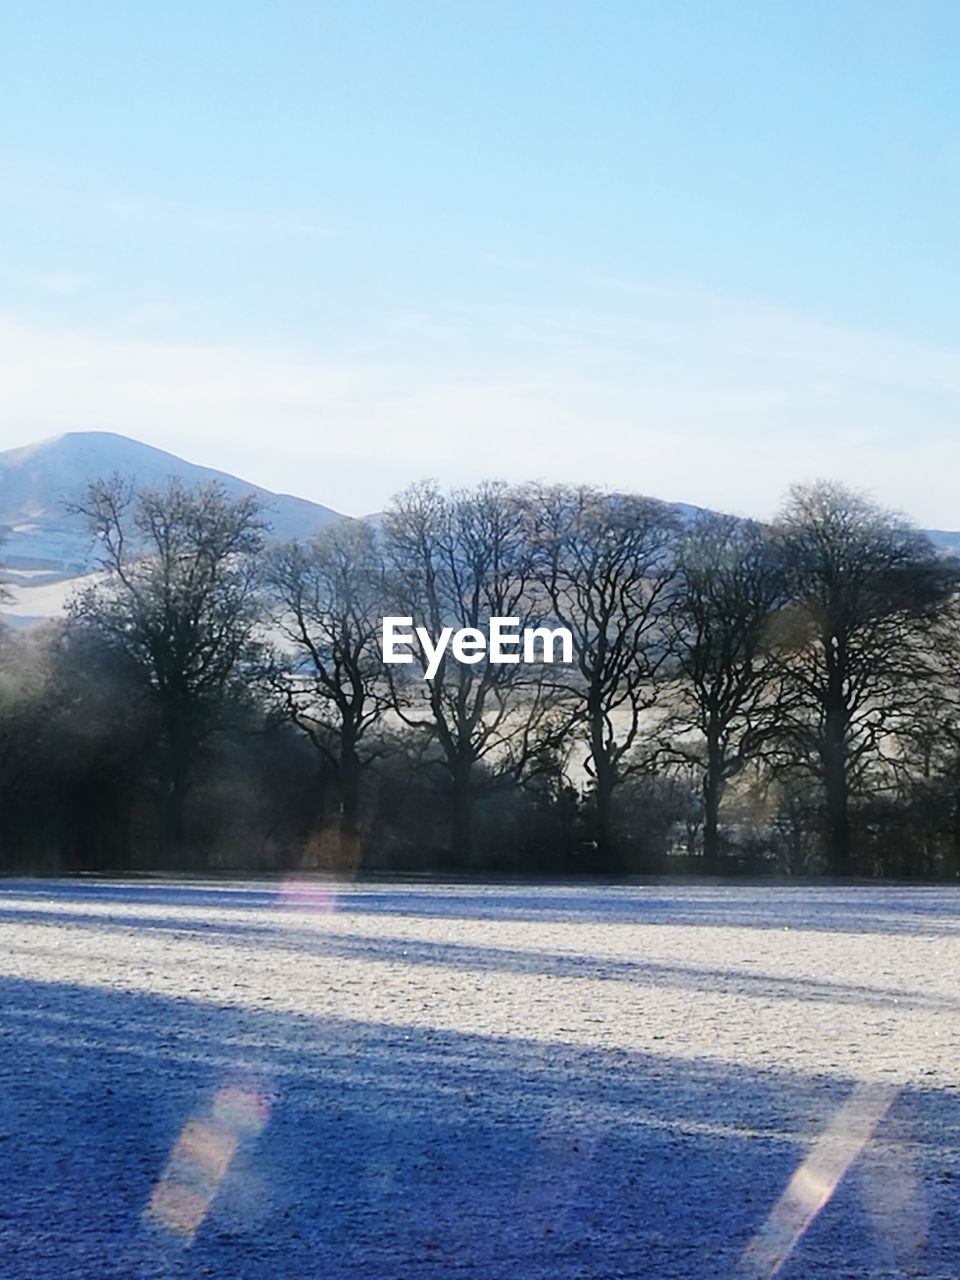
column 944, row 540
column 37, row 480
column 43, row 548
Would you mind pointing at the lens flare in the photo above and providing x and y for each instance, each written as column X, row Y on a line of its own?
column 200, row 1159
column 815, row 1181
column 299, row 893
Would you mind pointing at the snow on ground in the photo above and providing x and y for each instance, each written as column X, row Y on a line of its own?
column 373, row 1081
column 29, row 602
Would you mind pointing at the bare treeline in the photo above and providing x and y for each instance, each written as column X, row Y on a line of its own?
column 742, row 697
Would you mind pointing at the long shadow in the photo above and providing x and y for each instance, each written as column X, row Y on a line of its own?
column 375, row 1153
column 853, row 908
column 281, row 934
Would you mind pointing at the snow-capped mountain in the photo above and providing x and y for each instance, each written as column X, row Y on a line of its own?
column 37, row 481
column 43, row 548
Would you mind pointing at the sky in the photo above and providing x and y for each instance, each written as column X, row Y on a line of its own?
column 695, row 248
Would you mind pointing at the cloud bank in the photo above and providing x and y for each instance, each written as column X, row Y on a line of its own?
column 682, row 395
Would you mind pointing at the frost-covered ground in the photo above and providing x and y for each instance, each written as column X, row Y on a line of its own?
column 400, row 1082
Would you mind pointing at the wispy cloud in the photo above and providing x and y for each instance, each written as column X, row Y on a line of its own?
column 689, row 396
column 55, row 284
column 150, row 212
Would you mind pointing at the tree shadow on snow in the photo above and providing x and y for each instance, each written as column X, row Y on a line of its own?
column 835, row 908
column 315, row 1148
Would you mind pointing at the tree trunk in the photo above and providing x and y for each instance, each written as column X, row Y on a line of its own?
column 604, row 785
column 461, row 820
column 954, row 868
column 349, row 832
column 605, row 835
column 836, row 782
column 176, row 784
column 711, row 823
column 837, row 806
column 174, row 824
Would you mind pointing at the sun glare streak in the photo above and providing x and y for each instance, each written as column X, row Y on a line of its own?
column 201, row 1158
column 814, row 1182
column 208, row 1142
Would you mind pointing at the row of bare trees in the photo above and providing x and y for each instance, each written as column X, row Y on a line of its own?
column 806, row 669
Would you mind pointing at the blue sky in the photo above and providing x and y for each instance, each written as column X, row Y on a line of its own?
column 696, row 249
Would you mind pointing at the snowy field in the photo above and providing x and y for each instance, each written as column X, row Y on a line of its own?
column 401, row 1082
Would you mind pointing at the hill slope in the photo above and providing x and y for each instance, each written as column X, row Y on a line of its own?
column 40, row 537
column 44, row 549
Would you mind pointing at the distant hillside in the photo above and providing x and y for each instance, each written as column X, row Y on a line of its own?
column 35, row 481
column 945, row 540
column 44, row 550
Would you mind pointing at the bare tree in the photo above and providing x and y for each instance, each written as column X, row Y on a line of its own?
column 459, row 561
column 863, row 588
column 25, row 711
column 180, row 599
column 729, row 584
column 329, row 597
column 606, row 570
column 930, row 743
